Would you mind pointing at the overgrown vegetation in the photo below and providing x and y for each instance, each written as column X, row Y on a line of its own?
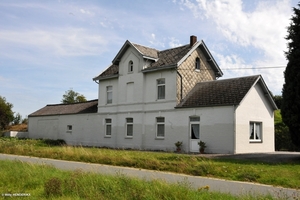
column 283, row 141
column 260, row 172
column 46, row 182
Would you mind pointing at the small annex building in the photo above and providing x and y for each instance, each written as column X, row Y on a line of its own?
column 150, row 99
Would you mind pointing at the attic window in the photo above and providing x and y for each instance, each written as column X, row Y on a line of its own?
column 130, row 66
column 197, row 64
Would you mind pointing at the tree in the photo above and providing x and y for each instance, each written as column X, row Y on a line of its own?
column 290, row 108
column 6, row 113
column 17, row 119
column 71, row 96
column 277, row 99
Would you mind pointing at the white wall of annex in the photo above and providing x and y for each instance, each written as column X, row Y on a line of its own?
column 254, row 107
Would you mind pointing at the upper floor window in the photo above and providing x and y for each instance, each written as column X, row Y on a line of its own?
column 129, row 127
column 109, row 94
column 130, row 66
column 161, row 88
column 197, row 64
column 255, row 132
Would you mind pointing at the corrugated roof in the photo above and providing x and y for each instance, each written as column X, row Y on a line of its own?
column 65, row 109
column 219, row 92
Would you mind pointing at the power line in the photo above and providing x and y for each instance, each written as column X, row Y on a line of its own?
column 273, row 67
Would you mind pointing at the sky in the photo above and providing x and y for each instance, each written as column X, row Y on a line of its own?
column 49, row 47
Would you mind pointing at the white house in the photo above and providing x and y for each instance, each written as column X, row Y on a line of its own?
column 150, row 99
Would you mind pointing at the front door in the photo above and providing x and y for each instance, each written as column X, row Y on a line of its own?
column 194, row 134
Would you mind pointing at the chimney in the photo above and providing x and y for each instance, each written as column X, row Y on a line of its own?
column 193, row 40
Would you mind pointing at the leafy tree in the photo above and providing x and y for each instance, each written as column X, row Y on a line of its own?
column 71, row 96
column 278, row 99
column 290, row 108
column 6, row 113
column 17, row 119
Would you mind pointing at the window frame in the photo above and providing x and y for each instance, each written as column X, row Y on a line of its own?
column 197, row 64
column 130, row 66
column 160, row 123
column 194, row 120
column 129, row 122
column 159, row 91
column 69, row 128
column 108, row 123
column 253, row 126
column 109, row 93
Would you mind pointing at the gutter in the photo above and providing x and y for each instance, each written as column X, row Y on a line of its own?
column 180, row 84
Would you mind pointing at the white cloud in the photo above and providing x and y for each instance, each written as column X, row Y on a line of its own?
column 262, row 28
column 62, row 42
column 174, row 42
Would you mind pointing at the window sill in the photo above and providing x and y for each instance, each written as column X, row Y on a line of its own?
column 128, row 137
column 197, row 70
column 107, row 136
column 69, row 131
column 159, row 138
column 255, row 141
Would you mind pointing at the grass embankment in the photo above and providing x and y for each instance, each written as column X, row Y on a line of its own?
column 285, row 174
column 46, row 182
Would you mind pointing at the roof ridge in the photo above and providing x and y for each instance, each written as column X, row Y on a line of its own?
column 66, row 104
column 174, row 47
column 143, row 45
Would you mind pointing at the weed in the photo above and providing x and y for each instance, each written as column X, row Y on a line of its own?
column 53, row 187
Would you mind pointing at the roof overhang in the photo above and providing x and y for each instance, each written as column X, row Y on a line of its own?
column 123, row 50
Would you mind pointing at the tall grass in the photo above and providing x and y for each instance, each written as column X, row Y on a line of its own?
column 46, row 182
column 180, row 163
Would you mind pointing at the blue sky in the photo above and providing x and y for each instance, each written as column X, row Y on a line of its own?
column 49, row 47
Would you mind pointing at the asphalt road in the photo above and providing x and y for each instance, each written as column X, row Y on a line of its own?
column 224, row 186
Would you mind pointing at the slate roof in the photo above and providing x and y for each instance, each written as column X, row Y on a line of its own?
column 146, row 51
column 219, row 92
column 65, row 109
column 161, row 59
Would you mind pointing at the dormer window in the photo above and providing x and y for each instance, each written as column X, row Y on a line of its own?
column 130, row 67
column 197, row 64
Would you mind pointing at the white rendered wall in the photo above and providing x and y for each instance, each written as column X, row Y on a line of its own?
column 255, row 107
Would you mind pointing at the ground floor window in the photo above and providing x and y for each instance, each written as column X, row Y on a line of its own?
column 129, row 127
column 255, row 132
column 160, row 127
column 108, row 127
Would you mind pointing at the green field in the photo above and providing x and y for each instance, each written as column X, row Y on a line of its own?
column 277, row 174
column 46, row 182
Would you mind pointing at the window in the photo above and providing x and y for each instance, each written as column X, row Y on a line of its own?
column 130, row 66
column 195, row 127
column 160, row 127
column 69, row 128
column 161, row 88
column 197, row 64
column 129, row 127
column 109, row 94
column 255, row 131
column 108, row 127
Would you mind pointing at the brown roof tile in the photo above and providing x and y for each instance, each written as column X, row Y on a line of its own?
column 146, row 51
column 64, row 109
column 218, row 93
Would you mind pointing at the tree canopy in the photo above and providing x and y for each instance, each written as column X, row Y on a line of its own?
column 290, row 108
column 6, row 113
column 71, row 96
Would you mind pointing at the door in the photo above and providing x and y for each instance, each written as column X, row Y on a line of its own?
column 194, row 134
